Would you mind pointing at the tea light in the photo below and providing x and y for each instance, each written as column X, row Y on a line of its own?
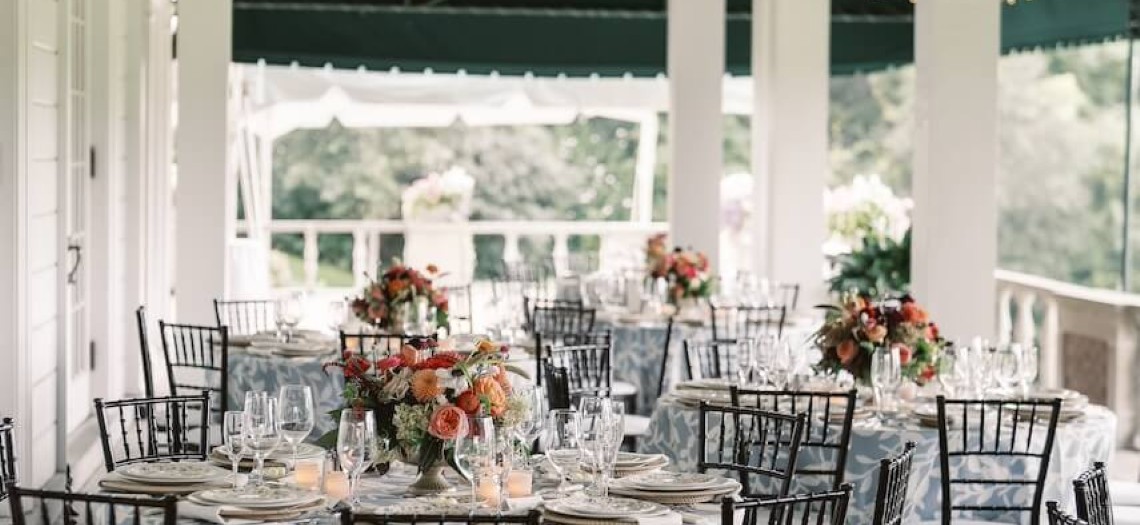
column 307, row 475
column 519, row 483
column 336, row 485
column 488, row 491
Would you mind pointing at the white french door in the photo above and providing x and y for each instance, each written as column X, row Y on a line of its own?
column 77, row 162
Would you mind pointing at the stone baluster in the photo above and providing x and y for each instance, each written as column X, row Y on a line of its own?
column 511, row 247
column 1024, row 329
column 1050, row 351
column 561, row 254
column 359, row 257
column 1005, row 320
column 311, row 257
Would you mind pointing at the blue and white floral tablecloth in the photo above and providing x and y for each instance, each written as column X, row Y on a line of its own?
column 250, row 372
column 673, row 431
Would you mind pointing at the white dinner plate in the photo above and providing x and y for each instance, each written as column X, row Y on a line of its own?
column 675, row 481
column 257, row 497
column 184, row 473
column 605, row 508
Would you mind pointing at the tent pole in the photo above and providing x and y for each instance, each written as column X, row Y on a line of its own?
column 1126, row 234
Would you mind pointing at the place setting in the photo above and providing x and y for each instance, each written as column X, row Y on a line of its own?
column 673, row 488
column 166, row 478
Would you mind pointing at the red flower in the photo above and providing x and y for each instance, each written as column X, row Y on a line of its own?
column 356, row 366
column 442, row 360
column 389, row 363
column 904, row 353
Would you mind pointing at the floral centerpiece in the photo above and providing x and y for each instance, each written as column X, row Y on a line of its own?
column 436, row 197
column 382, row 302
column 421, row 402
column 858, row 327
column 686, row 271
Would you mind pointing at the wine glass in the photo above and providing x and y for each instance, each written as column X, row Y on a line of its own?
column 262, row 432
column 530, row 426
column 233, row 424
column 780, row 365
column 471, row 451
column 886, row 376
column 356, row 446
column 600, row 434
column 561, row 443
column 335, row 315
column 950, row 364
column 1006, row 369
column 1030, row 361
column 745, row 360
column 295, row 403
column 288, row 314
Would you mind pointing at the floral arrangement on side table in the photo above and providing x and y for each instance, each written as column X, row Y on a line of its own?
column 421, row 402
column 686, row 271
column 400, row 286
column 859, row 326
column 436, row 197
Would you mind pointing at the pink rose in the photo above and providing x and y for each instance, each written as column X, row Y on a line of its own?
column 448, row 423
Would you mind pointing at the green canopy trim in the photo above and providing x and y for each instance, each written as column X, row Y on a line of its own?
column 608, row 38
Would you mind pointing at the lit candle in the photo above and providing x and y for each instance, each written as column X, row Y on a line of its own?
column 336, row 485
column 307, row 475
column 488, row 491
column 519, row 483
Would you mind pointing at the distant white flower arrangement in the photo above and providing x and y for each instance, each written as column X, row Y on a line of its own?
column 864, row 208
column 436, row 197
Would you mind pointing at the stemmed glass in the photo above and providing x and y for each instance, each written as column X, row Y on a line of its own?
column 233, row 424
column 780, row 365
column 745, row 361
column 561, row 443
column 951, row 362
column 886, row 377
column 295, row 403
column 601, row 428
column 288, row 314
column 530, row 426
column 335, row 315
column 356, row 446
column 1029, row 368
column 1006, row 360
column 262, row 432
column 470, row 451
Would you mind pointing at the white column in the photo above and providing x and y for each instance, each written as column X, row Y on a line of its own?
column 957, row 44
column 696, row 128
column 791, row 75
column 206, row 192
column 645, row 169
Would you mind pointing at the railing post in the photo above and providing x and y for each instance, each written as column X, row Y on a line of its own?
column 311, row 257
column 511, row 247
column 372, row 265
column 359, row 257
column 1004, row 320
column 1024, row 330
column 561, row 254
column 1050, row 350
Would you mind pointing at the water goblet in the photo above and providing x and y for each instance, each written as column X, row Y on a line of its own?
column 262, row 432
column 233, row 425
column 561, row 444
column 356, row 446
column 297, row 417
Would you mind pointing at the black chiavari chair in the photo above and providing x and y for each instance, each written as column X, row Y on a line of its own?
column 7, row 456
column 711, row 359
column 588, row 364
column 894, row 481
column 827, row 430
column 246, row 317
column 746, row 322
column 517, row 280
column 144, row 351
column 533, row 517
column 70, row 508
column 558, row 323
column 750, row 442
column 788, row 296
column 821, row 508
column 996, row 430
column 459, row 309
column 197, row 358
column 1094, row 504
column 1060, row 517
column 171, row 428
column 558, row 396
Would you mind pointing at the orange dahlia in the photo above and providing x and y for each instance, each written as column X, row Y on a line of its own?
column 425, row 386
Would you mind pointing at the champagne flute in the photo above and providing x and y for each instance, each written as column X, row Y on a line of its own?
column 356, row 446
column 561, row 444
column 295, row 403
column 233, row 424
column 262, row 432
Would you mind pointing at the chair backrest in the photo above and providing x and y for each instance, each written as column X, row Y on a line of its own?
column 710, row 359
column 556, row 316
column 827, row 430
column 144, row 351
column 519, row 279
column 460, row 308
column 246, row 317
column 376, row 345
column 588, row 364
column 7, row 456
column 533, row 517
column 894, row 481
column 1060, row 517
column 158, row 428
column 821, row 508
column 557, row 387
column 995, row 430
column 197, row 358
column 1094, row 504
column 753, row 443
column 746, row 322
column 90, row 509
column 788, row 295
column 665, row 354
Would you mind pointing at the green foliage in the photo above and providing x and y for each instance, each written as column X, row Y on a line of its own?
column 880, row 268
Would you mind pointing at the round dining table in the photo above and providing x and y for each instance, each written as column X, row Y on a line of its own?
column 674, row 429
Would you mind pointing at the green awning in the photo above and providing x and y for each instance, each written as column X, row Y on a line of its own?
column 604, row 37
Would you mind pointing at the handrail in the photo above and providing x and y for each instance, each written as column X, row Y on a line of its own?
column 1069, row 290
column 524, row 227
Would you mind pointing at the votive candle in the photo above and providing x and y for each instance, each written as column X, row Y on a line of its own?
column 519, row 483
column 307, row 475
column 336, row 485
column 488, row 491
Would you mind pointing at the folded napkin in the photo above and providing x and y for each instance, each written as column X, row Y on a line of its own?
column 669, row 518
column 206, row 513
column 524, row 503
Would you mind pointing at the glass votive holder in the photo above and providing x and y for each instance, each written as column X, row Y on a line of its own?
column 334, row 481
column 307, row 473
column 519, row 483
column 488, row 490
